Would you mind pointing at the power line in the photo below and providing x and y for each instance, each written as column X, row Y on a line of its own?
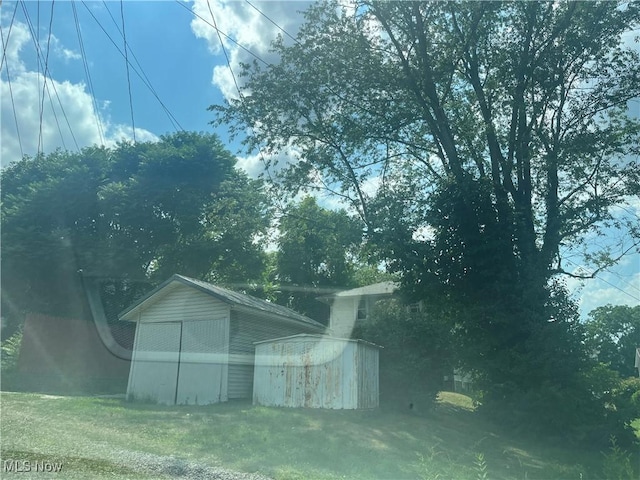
column 126, row 62
column 223, row 34
column 240, row 96
column 44, row 85
column 174, row 121
column 6, row 45
column 87, row 72
column 273, row 22
column 13, row 105
column 603, row 280
column 53, row 84
column 146, row 83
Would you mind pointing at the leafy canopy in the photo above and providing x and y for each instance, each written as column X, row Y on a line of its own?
column 135, row 212
column 481, row 143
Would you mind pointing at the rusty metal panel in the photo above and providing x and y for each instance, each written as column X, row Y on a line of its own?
column 317, row 372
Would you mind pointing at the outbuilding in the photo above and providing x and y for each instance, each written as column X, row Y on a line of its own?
column 316, row 371
column 194, row 341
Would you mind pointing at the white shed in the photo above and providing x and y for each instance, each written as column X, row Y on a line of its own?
column 194, row 341
column 316, row 371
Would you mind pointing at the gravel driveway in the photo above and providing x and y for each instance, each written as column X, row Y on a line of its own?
column 171, row 467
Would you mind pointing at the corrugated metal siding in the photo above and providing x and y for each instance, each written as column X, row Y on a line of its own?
column 185, row 303
column 202, row 375
column 154, row 366
column 368, row 376
column 245, row 330
column 316, row 372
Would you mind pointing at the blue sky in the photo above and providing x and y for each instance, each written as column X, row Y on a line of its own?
column 181, row 57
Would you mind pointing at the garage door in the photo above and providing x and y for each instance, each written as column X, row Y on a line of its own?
column 202, row 373
column 154, row 364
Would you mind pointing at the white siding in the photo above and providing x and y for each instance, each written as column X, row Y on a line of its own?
column 202, row 373
column 309, row 371
column 343, row 316
column 154, row 365
column 181, row 349
column 182, row 303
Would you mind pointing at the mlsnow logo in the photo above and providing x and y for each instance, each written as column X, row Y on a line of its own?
column 28, row 466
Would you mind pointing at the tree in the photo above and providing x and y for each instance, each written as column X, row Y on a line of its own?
column 613, row 334
column 500, row 139
column 316, row 250
column 133, row 213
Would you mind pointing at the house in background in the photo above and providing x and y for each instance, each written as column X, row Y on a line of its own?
column 349, row 307
column 194, row 341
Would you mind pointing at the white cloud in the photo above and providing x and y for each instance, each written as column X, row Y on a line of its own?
column 61, row 118
column 619, row 285
column 251, row 31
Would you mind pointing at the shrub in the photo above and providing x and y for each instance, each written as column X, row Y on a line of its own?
column 414, row 357
column 9, row 352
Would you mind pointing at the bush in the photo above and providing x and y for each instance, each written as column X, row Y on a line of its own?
column 9, row 352
column 414, row 357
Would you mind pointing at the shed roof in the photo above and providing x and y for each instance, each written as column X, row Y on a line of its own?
column 376, row 289
column 227, row 296
column 315, row 336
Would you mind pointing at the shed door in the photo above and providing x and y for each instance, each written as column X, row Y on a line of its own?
column 154, row 367
column 202, row 374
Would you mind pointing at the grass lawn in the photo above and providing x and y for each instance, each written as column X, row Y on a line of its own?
column 86, row 434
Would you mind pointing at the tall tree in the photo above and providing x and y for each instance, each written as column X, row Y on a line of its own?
column 613, row 334
column 499, row 135
column 317, row 249
column 136, row 212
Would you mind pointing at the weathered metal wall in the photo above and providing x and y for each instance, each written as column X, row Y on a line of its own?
column 318, row 372
column 247, row 329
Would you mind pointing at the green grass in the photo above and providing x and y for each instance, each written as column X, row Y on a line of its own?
column 85, row 433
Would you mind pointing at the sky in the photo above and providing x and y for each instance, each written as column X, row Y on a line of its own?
column 177, row 69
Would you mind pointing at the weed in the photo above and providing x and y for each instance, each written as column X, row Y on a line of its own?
column 481, row 469
column 617, row 463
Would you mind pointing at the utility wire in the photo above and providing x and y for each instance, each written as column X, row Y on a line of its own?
column 222, row 33
column 603, row 280
column 174, row 121
column 240, row 96
column 53, row 84
column 44, row 85
column 126, row 61
column 5, row 44
column 148, row 85
column 13, row 105
column 87, row 72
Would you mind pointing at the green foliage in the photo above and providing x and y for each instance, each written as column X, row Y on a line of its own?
column 613, row 334
column 416, row 353
column 491, row 161
column 316, row 250
column 482, row 471
column 617, row 463
column 10, row 350
column 129, row 215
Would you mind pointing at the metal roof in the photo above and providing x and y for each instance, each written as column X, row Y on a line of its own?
column 227, row 296
column 377, row 289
